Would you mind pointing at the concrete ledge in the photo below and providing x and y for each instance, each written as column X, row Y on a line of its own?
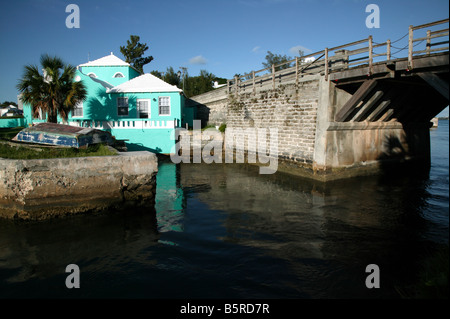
column 43, row 188
column 341, row 126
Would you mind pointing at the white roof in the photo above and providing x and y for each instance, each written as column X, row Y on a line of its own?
column 109, row 60
column 144, row 83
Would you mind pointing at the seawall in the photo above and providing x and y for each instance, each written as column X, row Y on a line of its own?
column 311, row 142
column 43, row 188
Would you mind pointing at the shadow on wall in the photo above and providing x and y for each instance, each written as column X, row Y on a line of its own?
column 140, row 147
column 409, row 153
column 203, row 111
column 103, row 106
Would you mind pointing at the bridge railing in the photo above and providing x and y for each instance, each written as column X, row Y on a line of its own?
column 364, row 52
column 435, row 40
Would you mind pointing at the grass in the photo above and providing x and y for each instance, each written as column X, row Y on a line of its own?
column 26, row 152
column 20, row 152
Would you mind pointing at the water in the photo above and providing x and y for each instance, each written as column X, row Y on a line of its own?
column 224, row 231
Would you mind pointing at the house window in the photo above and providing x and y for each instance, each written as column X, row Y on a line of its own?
column 92, row 75
column 143, row 108
column 78, row 110
column 164, row 105
column 118, row 75
column 122, row 106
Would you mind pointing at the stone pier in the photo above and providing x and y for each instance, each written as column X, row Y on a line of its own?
column 43, row 188
column 334, row 129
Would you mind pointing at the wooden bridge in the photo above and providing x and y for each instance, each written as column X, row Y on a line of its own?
column 350, row 67
column 365, row 101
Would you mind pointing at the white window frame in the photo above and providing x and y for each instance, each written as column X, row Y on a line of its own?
column 119, row 106
column 77, row 107
column 159, row 105
column 118, row 73
column 148, row 105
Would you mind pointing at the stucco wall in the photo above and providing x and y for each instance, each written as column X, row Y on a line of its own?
column 6, row 122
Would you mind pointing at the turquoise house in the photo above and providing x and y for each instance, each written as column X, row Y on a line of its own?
column 139, row 108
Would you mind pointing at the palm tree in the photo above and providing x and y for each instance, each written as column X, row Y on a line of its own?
column 54, row 91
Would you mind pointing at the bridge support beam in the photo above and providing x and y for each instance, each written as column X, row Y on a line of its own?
column 436, row 82
column 353, row 148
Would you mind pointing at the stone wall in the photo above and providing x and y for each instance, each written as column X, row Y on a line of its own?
column 211, row 106
column 42, row 188
column 310, row 142
column 290, row 109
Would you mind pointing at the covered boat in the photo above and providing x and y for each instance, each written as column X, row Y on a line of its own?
column 63, row 135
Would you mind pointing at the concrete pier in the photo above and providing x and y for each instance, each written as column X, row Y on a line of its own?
column 43, row 188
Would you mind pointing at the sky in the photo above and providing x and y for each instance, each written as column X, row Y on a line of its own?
column 224, row 37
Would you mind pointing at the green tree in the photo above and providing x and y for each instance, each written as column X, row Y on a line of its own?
column 133, row 52
column 54, row 91
column 221, row 80
column 171, row 77
column 157, row 74
column 199, row 84
column 277, row 59
column 8, row 103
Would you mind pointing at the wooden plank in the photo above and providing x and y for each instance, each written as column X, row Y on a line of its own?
column 387, row 116
column 436, row 82
column 410, row 48
column 273, row 76
column 253, row 82
column 370, row 55
column 360, row 94
column 367, row 106
column 388, row 50
column 378, row 110
column 430, row 24
column 425, row 61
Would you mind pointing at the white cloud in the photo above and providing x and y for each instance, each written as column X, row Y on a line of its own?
column 256, row 49
column 294, row 50
column 198, row 60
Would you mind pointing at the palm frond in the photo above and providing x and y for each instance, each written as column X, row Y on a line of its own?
column 53, row 92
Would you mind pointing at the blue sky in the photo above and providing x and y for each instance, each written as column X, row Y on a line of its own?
column 222, row 37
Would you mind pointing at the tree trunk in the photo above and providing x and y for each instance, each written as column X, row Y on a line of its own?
column 52, row 117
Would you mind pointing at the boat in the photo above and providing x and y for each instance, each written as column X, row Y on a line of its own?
column 62, row 135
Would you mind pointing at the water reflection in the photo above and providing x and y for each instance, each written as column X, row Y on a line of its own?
column 35, row 254
column 327, row 233
column 224, row 230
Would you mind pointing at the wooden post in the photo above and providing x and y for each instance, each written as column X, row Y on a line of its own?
column 236, row 85
column 228, row 86
column 273, row 76
column 428, row 42
column 326, row 64
column 296, row 70
column 388, row 50
column 253, row 77
column 370, row 55
column 410, row 48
